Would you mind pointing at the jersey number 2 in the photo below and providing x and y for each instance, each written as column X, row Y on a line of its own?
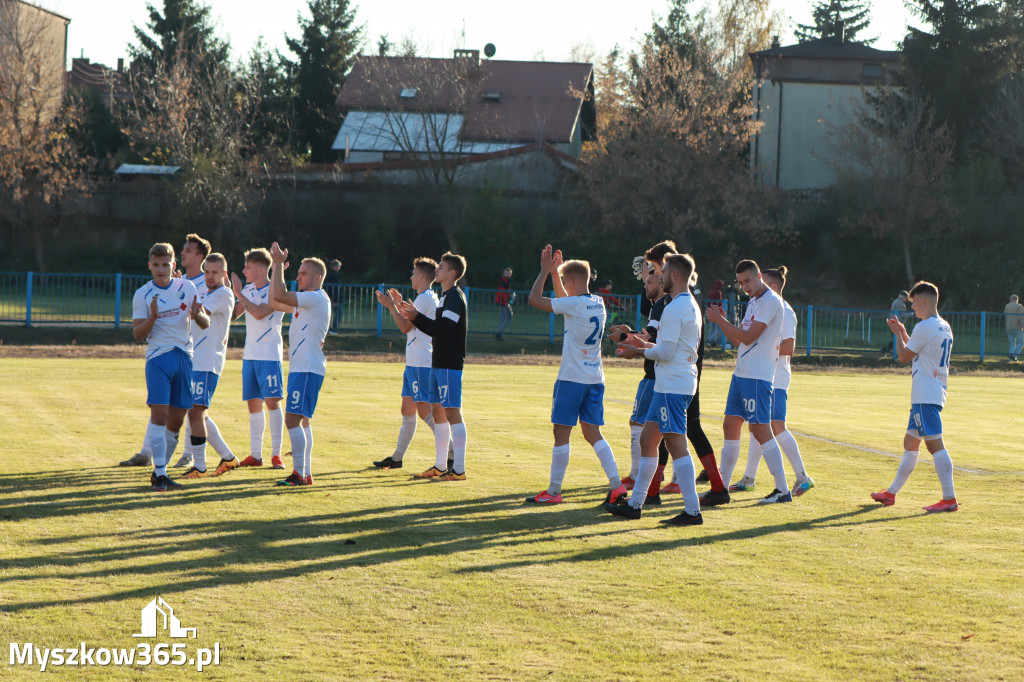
column 592, row 339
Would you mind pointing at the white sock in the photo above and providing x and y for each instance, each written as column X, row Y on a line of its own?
column 644, row 475
column 257, row 422
column 429, row 420
column 186, row 448
column 276, row 419
column 298, row 438
column 727, row 461
column 147, row 448
column 904, row 470
column 753, row 459
column 308, row 454
column 217, row 442
column 405, row 434
column 607, row 459
column 170, row 443
column 773, row 460
column 442, row 434
column 789, row 446
column 198, row 455
column 459, row 438
column 559, row 463
column 684, row 471
column 634, row 449
column 155, row 438
column 944, row 468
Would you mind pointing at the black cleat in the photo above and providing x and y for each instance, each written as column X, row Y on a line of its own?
column 388, row 463
column 623, row 509
column 684, row 519
column 163, row 484
column 703, row 477
column 714, row 498
column 653, row 500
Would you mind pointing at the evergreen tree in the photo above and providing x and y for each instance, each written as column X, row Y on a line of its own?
column 828, row 15
column 184, row 25
column 325, row 54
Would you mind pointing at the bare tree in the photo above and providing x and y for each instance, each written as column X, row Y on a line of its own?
column 1002, row 128
column 39, row 164
column 894, row 157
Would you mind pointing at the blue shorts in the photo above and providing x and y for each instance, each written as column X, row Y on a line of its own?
column 416, row 384
column 303, row 390
column 668, row 411
column 203, row 386
column 750, row 399
column 572, row 401
column 262, row 379
column 779, row 398
column 445, row 387
column 642, row 402
column 925, row 420
column 169, row 379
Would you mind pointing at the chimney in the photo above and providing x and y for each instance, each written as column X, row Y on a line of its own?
column 120, row 64
column 467, row 59
column 775, row 43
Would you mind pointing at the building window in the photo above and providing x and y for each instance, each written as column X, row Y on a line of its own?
column 408, row 93
column 872, row 70
column 494, row 96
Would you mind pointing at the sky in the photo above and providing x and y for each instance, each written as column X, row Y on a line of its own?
column 520, row 29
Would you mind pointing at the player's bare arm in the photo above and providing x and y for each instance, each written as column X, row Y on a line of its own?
column 787, row 347
column 408, row 310
column 279, row 294
column 199, row 314
column 736, row 335
column 143, row 326
column 556, row 279
column 390, row 300
column 537, row 298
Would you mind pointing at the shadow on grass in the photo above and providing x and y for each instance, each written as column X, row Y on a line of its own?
column 241, row 550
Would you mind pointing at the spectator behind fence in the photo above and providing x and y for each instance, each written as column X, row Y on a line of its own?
column 1014, row 312
column 504, row 300
column 332, row 285
column 897, row 311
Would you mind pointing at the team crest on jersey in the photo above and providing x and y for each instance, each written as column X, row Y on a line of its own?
column 181, row 295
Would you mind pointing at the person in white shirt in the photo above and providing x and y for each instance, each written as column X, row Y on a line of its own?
column 162, row 312
column 579, row 389
column 675, row 383
column 418, row 350
column 928, row 348
column 191, row 259
column 263, row 357
column 209, row 354
column 750, row 392
column 776, row 279
column 307, row 365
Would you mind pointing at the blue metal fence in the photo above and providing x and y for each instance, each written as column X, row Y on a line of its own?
column 104, row 299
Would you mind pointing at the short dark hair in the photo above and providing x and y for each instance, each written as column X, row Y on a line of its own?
column 926, row 288
column 457, row 263
column 778, row 274
column 745, row 265
column 657, row 253
column 681, row 262
column 216, row 258
column 261, row 256
column 428, row 266
column 204, row 245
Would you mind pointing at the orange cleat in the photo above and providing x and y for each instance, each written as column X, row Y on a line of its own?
column 885, row 497
column 544, row 498
column 251, row 461
column 942, row 506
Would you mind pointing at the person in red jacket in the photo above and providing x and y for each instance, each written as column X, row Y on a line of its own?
column 504, row 300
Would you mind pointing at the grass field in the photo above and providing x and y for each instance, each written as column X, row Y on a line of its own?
column 370, row 575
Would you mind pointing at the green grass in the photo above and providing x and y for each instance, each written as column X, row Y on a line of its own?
column 461, row 581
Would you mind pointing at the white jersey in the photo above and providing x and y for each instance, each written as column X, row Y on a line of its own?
column 675, row 354
column 757, row 361
column 783, row 371
column 418, row 344
column 173, row 324
column 263, row 340
column 581, row 342
column 199, row 282
column 210, row 345
column 307, row 331
column 932, row 340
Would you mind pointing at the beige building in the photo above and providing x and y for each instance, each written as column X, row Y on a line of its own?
column 33, row 54
column 802, row 92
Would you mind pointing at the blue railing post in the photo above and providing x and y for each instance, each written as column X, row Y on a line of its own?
column 639, row 324
column 293, row 285
column 380, row 314
column 551, row 323
column 810, row 326
column 981, row 351
column 28, row 299
column 117, row 301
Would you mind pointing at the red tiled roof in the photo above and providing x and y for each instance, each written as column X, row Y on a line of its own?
column 84, row 74
column 538, row 100
column 544, row 147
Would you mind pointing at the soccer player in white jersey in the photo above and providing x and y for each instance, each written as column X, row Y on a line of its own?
column 929, row 348
column 192, row 254
column 208, row 355
column 750, row 392
column 162, row 312
column 262, row 359
column 416, row 378
column 776, row 279
column 579, row 389
column 311, row 316
column 675, row 383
